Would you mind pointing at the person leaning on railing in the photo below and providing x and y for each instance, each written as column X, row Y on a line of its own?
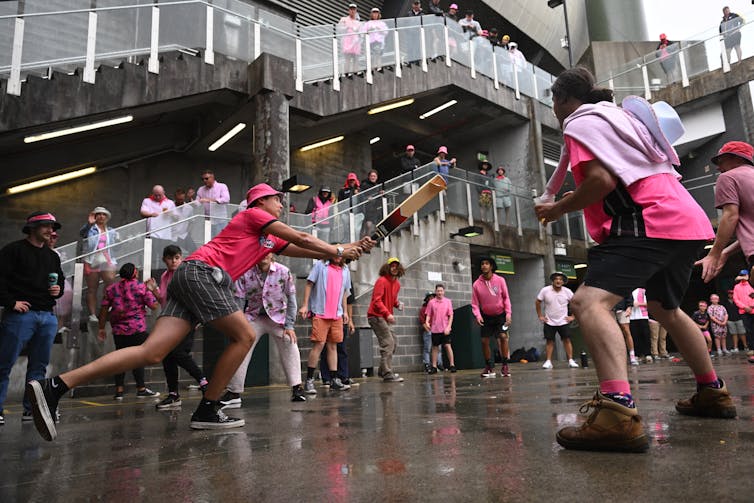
column 99, row 263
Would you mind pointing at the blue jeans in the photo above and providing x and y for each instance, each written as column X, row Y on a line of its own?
column 35, row 329
column 427, row 347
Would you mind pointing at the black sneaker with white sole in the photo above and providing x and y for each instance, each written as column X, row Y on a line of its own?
column 210, row 416
column 230, row 400
column 27, row 417
column 298, row 394
column 44, row 399
column 172, row 401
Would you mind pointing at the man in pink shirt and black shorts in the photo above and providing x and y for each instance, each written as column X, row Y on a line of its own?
column 439, row 322
column 491, row 306
column 649, row 231
column 201, row 292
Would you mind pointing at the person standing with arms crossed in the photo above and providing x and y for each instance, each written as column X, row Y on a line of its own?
column 491, row 306
column 201, row 292
column 552, row 310
column 380, row 315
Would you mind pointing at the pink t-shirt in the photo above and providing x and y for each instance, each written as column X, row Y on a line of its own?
column 439, row 312
column 241, row 244
column 667, row 210
column 162, row 291
column 334, row 284
column 737, row 187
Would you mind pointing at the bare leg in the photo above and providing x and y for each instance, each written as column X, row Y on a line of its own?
column 549, row 346
column 593, row 308
column 92, row 285
column 449, row 352
column 502, row 341
column 486, row 349
column 242, row 337
column 332, row 359
column 314, row 353
column 685, row 334
column 166, row 335
column 568, row 348
column 434, row 356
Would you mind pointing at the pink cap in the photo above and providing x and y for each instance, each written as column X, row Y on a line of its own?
column 410, row 147
column 454, row 6
column 259, row 191
column 442, row 150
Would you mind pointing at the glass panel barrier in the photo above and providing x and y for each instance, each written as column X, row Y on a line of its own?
column 544, row 82
column 316, row 52
column 459, row 44
column 628, row 83
column 526, row 79
column 504, row 68
column 233, row 32
column 483, row 56
column 174, row 20
column 408, row 33
column 383, row 55
column 434, row 35
column 277, row 36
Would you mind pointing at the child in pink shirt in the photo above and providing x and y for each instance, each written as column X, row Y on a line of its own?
column 439, row 322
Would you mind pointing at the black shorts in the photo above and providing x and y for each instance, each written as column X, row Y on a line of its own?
column 550, row 332
column 662, row 266
column 439, row 339
column 493, row 325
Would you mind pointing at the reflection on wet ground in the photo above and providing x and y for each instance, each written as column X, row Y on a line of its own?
column 439, row 438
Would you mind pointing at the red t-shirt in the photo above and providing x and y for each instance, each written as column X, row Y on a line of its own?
column 241, row 244
column 655, row 207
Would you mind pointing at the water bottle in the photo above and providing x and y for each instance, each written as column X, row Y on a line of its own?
column 363, row 373
column 584, row 360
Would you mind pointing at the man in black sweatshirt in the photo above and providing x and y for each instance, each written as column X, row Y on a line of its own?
column 30, row 281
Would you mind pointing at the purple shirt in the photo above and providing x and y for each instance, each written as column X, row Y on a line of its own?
column 276, row 294
column 127, row 300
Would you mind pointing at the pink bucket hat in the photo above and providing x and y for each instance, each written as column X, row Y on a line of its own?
column 259, row 191
column 442, row 150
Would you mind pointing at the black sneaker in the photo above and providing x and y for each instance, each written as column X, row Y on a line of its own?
column 432, row 370
column 337, row 385
column 453, row 369
column 298, row 394
column 231, row 400
column 172, row 401
column 2, row 418
column 43, row 400
column 209, row 416
column 118, row 395
column 27, row 416
column 147, row 393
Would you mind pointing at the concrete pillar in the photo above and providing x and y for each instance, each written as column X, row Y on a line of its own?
column 539, row 179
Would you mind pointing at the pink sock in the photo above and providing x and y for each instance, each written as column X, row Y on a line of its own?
column 615, row 386
column 708, row 378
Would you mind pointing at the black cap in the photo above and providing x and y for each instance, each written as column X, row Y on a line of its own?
column 558, row 273
column 490, row 260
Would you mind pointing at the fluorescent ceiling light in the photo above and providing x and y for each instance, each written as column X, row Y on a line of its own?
column 52, row 180
column 579, row 266
column 374, row 140
column 390, row 106
column 78, row 129
column 322, row 143
column 438, row 109
column 708, row 247
column 227, row 136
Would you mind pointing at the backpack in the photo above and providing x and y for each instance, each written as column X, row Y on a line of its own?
column 518, row 355
column 532, row 355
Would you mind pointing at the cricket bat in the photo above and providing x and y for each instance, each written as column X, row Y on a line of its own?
column 409, row 206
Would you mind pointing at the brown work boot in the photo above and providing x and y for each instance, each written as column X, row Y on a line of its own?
column 709, row 402
column 610, row 427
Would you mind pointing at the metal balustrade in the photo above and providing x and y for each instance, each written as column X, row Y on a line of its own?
column 50, row 36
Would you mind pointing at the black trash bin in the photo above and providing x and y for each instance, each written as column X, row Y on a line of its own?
column 467, row 347
column 361, row 351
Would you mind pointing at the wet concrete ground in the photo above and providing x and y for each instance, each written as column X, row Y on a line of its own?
column 449, row 437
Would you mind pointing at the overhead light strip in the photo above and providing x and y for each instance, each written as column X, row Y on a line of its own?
column 322, row 143
column 78, row 129
column 374, row 140
column 438, row 109
column 391, row 106
column 51, row 180
column 579, row 266
column 227, row 136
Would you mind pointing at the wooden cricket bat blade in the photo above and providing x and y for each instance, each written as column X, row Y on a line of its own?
column 409, row 206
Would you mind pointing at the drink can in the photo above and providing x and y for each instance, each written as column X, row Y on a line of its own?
column 52, row 279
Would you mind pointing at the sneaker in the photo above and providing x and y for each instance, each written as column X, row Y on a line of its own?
column 337, row 385
column 298, row 394
column 27, row 416
column 230, row 400
column 634, row 361
column 392, row 378
column 572, row 364
column 734, row 350
column 719, row 354
column 726, row 352
column 708, row 402
column 118, row 395
column 349, row 382
column 488, row 373
column 2, row 419
column 505, row 371
column 43, row 400
column 665, row 356
column 547, row 365
column 647, row 359
column 427, row 367
column 93, row 318
column 172, row 401
column 210, row 416
column 309, row 388
column 452, row 369
column 440, row 367
column 433, row 370
column 147, row 393
column 610, row 427
column 326, row 382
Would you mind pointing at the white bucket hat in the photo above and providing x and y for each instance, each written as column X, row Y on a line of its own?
column 661, row 120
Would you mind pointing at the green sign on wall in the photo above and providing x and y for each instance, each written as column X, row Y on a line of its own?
column 504, row 264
